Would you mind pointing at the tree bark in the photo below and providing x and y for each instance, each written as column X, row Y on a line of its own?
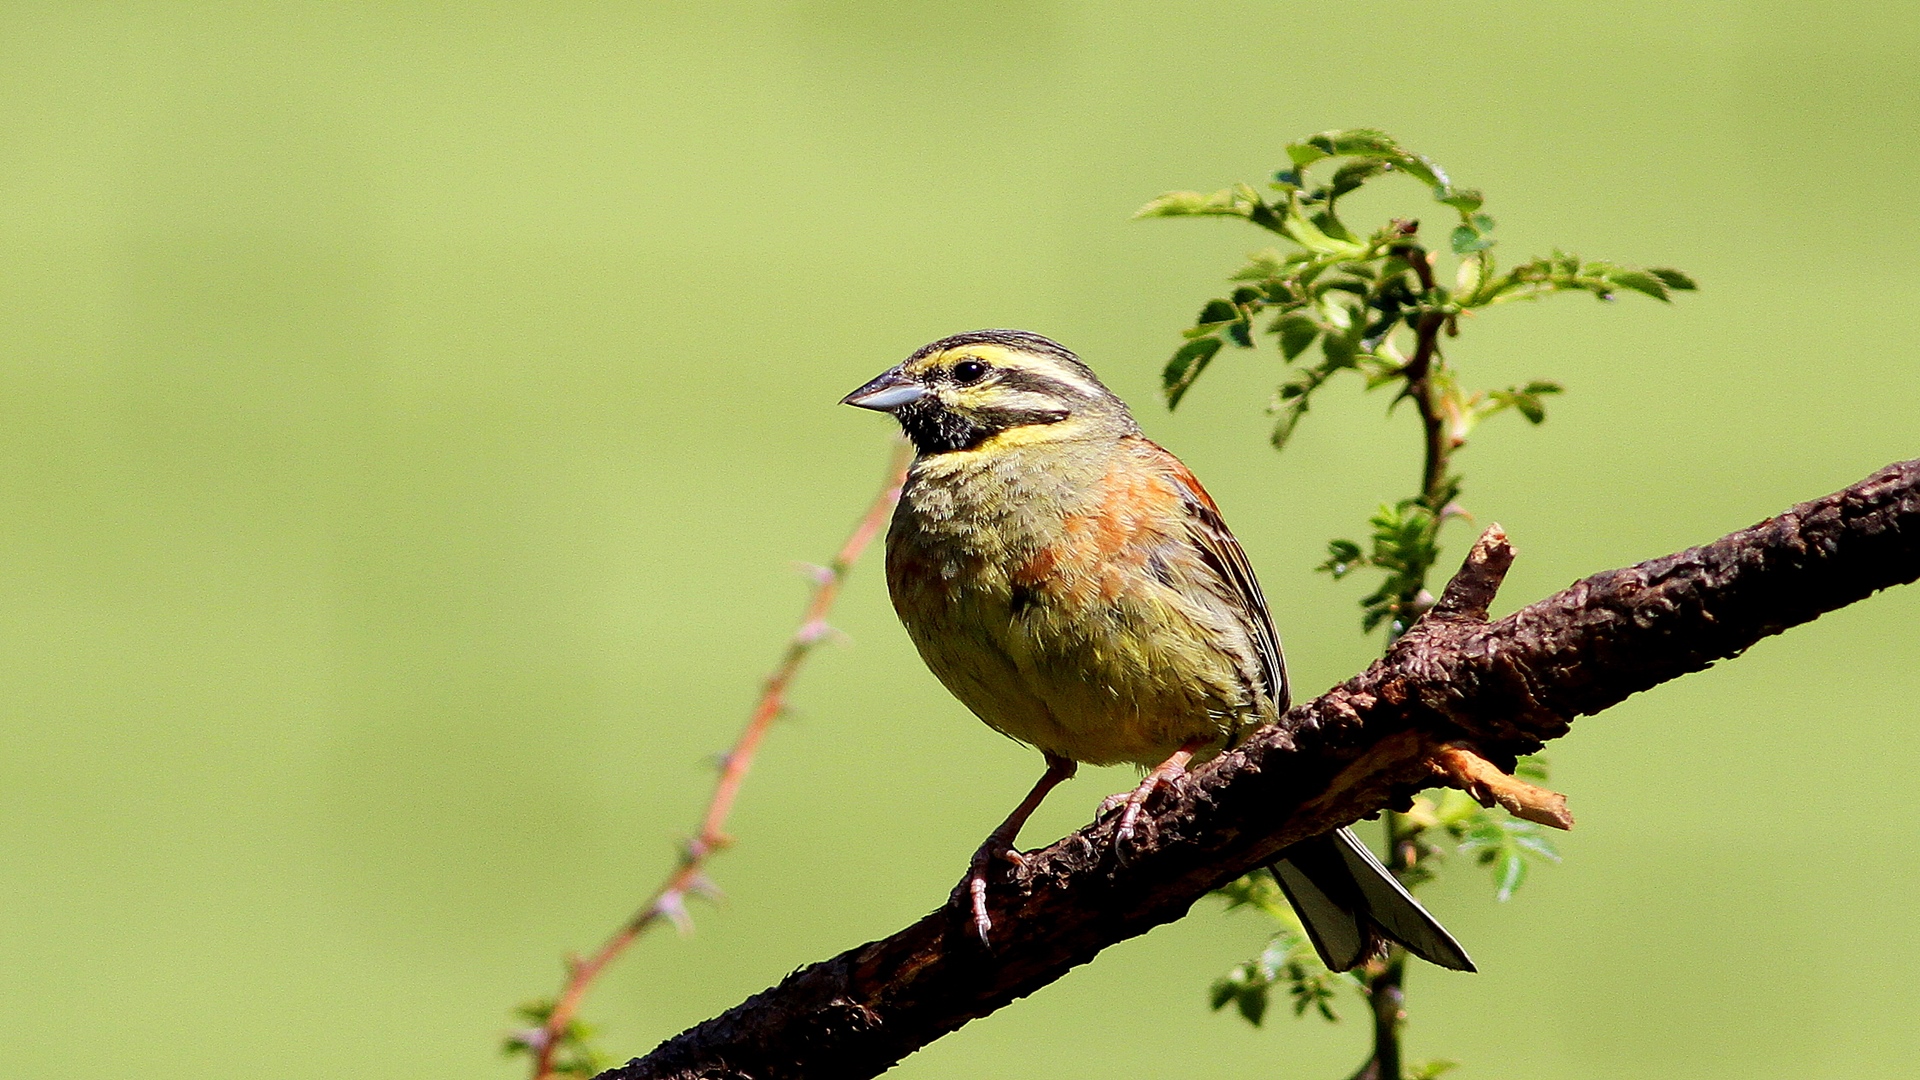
column 1498, row 689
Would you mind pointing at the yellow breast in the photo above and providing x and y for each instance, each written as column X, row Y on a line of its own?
column 1054, row 591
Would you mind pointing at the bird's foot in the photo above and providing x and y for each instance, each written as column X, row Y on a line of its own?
column 996, row 850
column 999, row 846
column 1167, row 774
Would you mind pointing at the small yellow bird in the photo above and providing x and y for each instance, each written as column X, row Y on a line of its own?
column 1072, row 584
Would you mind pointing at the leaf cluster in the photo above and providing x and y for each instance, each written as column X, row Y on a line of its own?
column 1360, row 297
column 573, row 1051
column 1288, row 960
column 1404, row 543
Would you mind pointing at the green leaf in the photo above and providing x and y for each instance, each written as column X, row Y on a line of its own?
column 1639, row 281
column 1343, row 557
column 1245, row 987
column 1217, row 311
column 1236, row 201
column 1186, row 366
column 1371, row 143
column 1340, row 351
column 1296, row 334
column 1538, row 844
column 1466, row 241
column 1261, row 265
column 1331, row 226
column 1513, row 871
column 1308, row 235
column 1179, row 204
column 1289, row 419
column 1253, row 1005
column 1503, row 843
column 1674, row 279
column 1527, row 404
column 1303, row 154
column 1280, row 291
column 1349, row 177
column 1465, row 200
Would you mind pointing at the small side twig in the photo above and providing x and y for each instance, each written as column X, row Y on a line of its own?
column 668, row 902
column 1490, row 785
column 1471, row 591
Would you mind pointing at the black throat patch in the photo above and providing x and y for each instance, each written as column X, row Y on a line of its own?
column 935, row 429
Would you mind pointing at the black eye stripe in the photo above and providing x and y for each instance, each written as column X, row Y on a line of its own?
column 1034, row 382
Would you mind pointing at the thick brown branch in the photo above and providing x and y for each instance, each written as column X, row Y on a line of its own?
column 1367, row 745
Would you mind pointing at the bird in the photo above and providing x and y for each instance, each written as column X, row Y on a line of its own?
column 1073, row 585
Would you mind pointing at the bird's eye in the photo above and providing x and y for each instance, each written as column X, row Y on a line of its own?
column 970, row 371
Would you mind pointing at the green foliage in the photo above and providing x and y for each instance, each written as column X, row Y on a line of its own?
column 1287, row 961
column 1374, row 305
column 1359, row 297
column 573, row 1054
column 1502, row 843
column 1403, row 544
column 1453, row 825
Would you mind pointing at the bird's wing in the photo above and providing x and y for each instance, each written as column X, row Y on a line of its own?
column 1229, row 560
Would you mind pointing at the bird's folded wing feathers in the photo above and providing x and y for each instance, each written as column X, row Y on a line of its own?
column 1228, row 559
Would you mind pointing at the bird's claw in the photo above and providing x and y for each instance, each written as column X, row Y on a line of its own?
column 994, row 851
column 977, row 894
column 1131, row 803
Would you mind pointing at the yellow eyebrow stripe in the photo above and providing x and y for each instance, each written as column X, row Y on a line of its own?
column 1016, row 360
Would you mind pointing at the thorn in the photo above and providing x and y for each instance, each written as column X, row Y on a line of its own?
column 695, row 848
column 702, row 886
column 718, row 760
column 814, row 572
column 672, row 906
column 815, row 631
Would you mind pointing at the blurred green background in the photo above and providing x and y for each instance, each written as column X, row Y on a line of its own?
column 409, row 415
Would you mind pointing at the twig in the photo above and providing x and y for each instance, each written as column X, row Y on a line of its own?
column 1505, row 686
column 1385, row 984
column 1491, row 785
column 669, row 900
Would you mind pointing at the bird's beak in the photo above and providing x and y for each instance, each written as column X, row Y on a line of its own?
column 886, row 393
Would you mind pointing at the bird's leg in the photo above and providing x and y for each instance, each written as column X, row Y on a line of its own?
column 1162, row 775
column 999, row 843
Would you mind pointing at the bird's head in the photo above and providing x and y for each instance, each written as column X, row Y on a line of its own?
column 1003, row 385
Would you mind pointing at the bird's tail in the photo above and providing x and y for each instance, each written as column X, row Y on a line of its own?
column 1351, row 906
